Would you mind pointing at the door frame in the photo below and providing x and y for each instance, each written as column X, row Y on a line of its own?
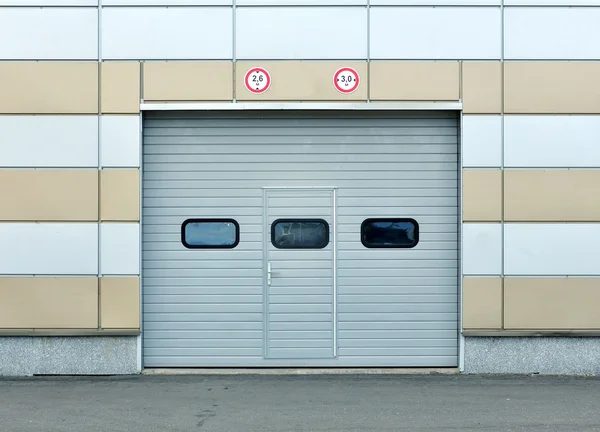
column 456, row 107
column 267, row 240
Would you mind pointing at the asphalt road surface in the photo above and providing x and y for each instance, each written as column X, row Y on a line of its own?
column 300, row 403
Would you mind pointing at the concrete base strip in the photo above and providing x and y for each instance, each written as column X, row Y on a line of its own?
column 302, row 371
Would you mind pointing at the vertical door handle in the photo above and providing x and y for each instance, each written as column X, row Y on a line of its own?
column 269, row 273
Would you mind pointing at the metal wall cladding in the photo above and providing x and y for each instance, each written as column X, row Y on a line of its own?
column 214, row 307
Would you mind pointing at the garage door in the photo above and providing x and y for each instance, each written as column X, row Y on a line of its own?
column 300, row 239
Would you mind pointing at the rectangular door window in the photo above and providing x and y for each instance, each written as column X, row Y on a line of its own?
column 210, row 233
column 300, row 233
column 389, row 233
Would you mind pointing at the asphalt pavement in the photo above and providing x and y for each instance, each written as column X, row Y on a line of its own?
column 258, row 403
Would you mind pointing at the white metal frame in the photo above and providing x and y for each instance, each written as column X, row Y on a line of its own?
column 264, row 106
column 327, row 106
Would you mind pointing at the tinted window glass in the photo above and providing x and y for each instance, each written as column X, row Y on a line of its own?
column 210, row 233
column 300, row 234
column 390, row 233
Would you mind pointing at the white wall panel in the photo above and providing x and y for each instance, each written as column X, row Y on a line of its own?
column 552, row 33
column 48, row 2
column 301, row 2
column 302, row 33
column 167, row 2
column 48, row 141
column 435, row 33
column 552, row 249
column 482, row 249
column 167, row 33
column 119, row 248
column 551, row 2
column 551, row 141
column 435, row 2
column 49, row 248
column 49, row 34
column 120, row 141
column 482, row 141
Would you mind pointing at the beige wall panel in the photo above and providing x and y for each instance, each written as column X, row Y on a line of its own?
column 187, row 81
column 552, row 87
column 301, row 81
column 551, row 195
column 48, row 303
column 482, row 303
column 49, row 195
column 482, row 87
column 120, row 303
column 120, row 87
column 48, row 87
column 119, row 195
column 482, row 195
column 431, row 81
column 551, row 303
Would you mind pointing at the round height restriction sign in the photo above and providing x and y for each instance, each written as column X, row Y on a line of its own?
column 257, row 80
column 346, row 80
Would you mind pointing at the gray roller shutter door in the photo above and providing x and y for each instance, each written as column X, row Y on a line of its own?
column 394, row 307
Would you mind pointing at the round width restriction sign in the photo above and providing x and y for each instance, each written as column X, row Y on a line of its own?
column 346, row 80
column 257, row 80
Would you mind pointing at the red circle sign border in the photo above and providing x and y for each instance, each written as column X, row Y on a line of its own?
column 257, row 69
column 346, row 69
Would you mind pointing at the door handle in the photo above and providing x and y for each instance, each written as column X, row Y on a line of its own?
column 269, row 274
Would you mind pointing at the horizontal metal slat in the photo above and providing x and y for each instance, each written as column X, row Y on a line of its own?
column 300, row 353
column 175, row 278
column 203, row 308
column 168, row 287
column 275, row 344
column 382, row 290
column 423, row 280
column 363, row 336
column 212, row 352
column 347, row 328
column 400, row 272
column 246, row 193
column 385, row 264
column 396, row 316
column 398, row 308
column 400, row 145
column 194, row 334
column 388, row 351
column 282, row 176
column 397, row 298
column 239, row 129
column 151, row 327
column 209, row 300
column 159, row 183
column 331, row 158
column 412, row 343
column 201, row 317
column 249, row 169
column 207, row 344
column 299, row 335
column 300, row 309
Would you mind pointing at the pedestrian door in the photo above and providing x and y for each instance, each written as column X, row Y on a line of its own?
column 300, row 239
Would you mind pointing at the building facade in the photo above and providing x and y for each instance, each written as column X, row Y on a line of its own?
column 303, row 183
